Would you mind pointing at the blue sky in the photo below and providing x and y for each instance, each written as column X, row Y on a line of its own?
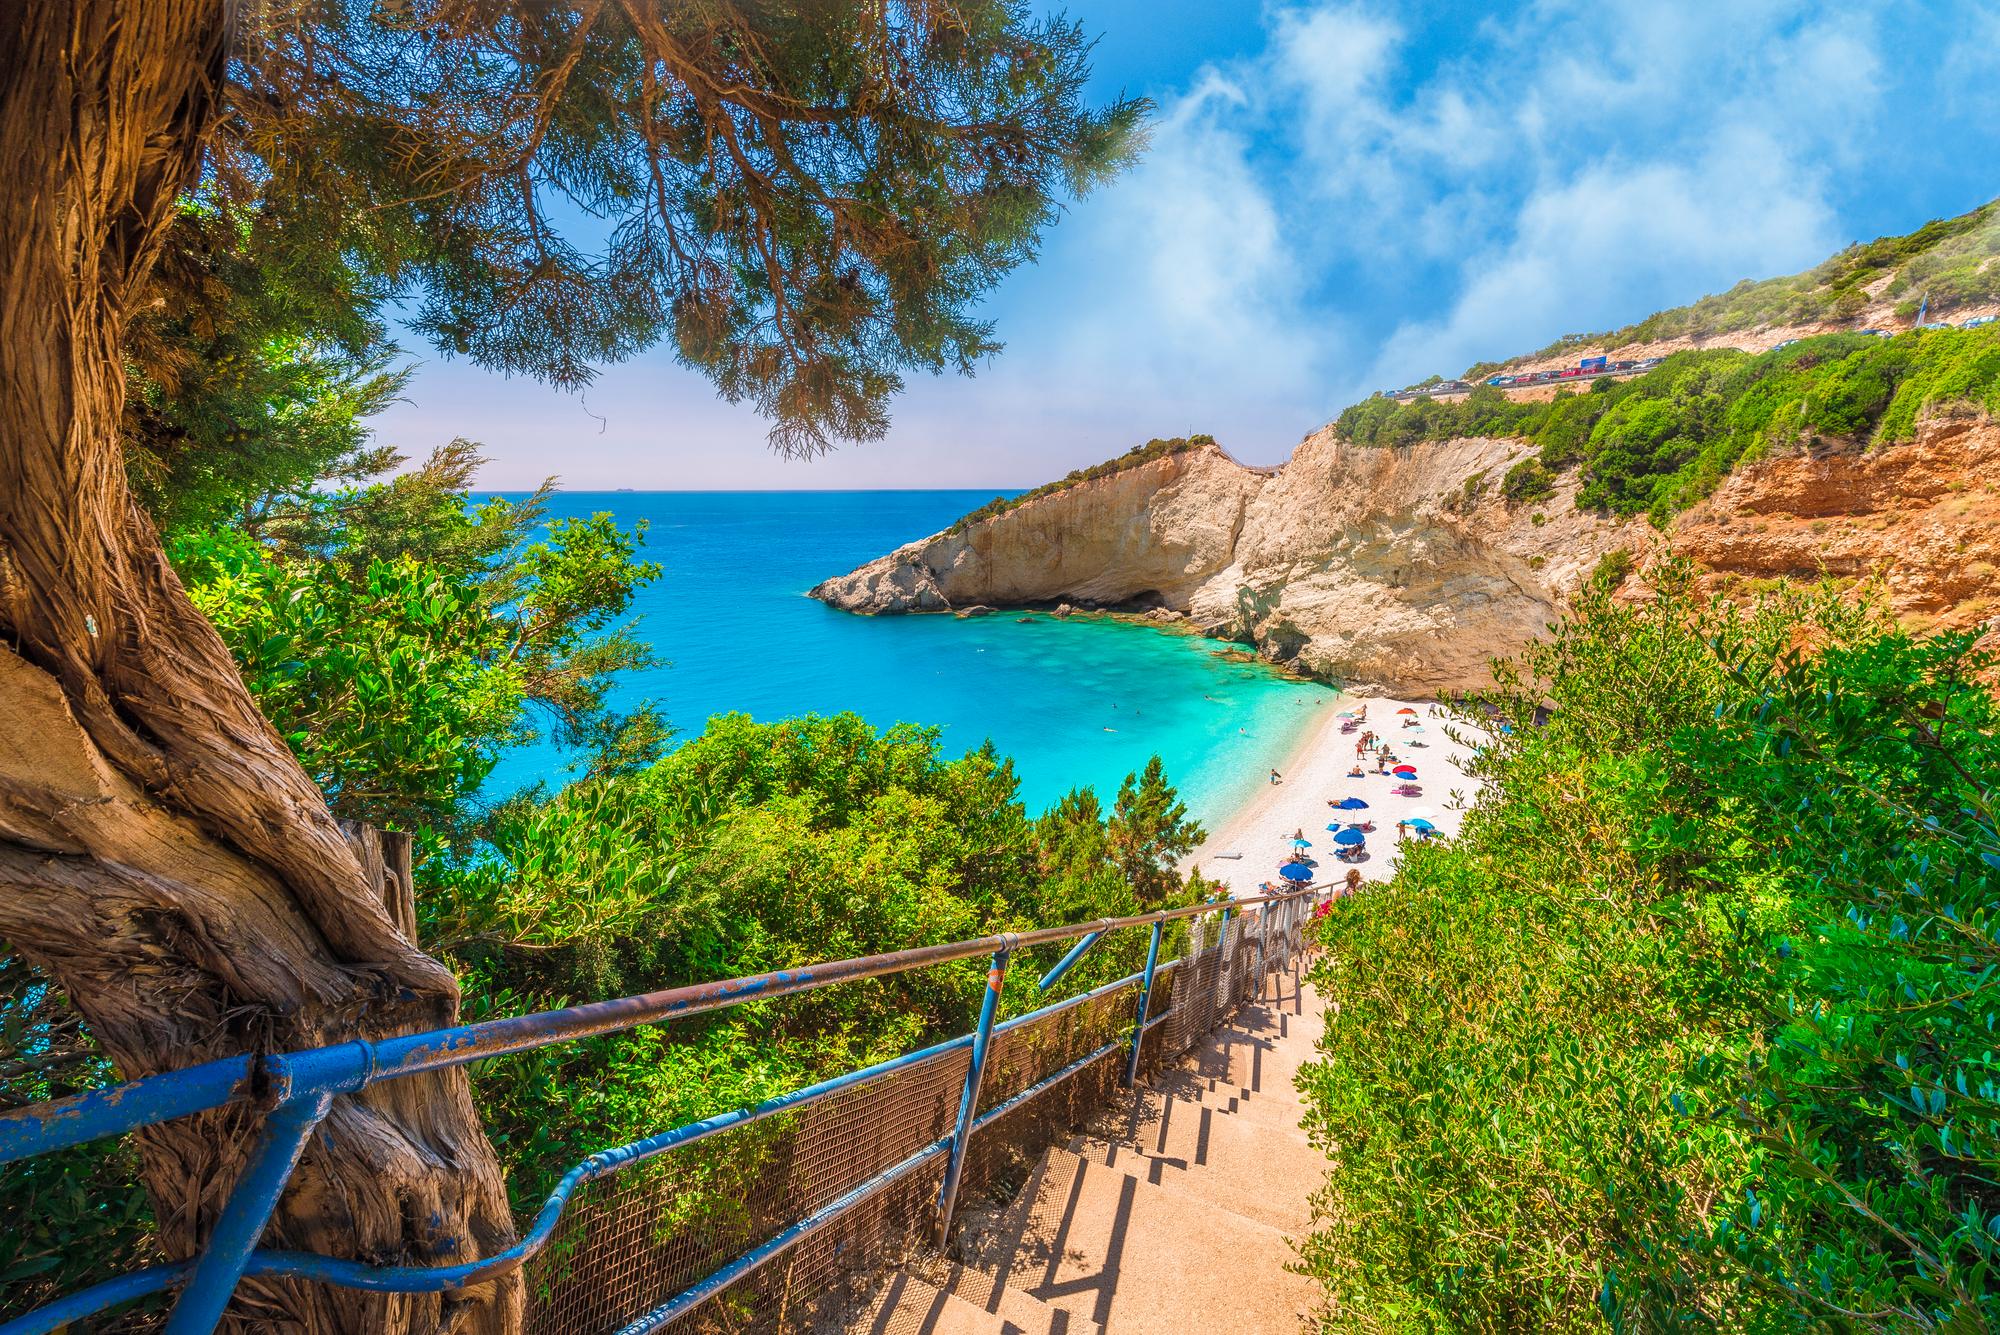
column 1345, row 196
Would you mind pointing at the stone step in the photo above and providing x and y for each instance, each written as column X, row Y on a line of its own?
column 1140, row 1258
column 987, row 1293
column 1262, row 1169
column 1261, row 1051
column 909, row 1306
column 1275, row 1105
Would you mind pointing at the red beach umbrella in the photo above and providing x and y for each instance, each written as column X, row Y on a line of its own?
column 1406, row 710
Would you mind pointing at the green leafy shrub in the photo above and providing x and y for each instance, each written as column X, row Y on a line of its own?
column 1691, row 1026
column 755, row 847
column 399, row 654
column 1512, row 1004
column 1611, row 570
column 1528, row 481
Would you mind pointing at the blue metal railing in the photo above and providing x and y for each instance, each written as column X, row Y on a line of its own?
column 302, row 1086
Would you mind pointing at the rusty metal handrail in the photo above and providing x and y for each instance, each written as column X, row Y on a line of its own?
column 304, row 1084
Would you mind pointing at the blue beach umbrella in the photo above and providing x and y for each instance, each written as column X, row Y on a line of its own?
column 1302, row 843
column 1350, row 838
column 1419, row 823
column 1295, row 871
column 1351, row 804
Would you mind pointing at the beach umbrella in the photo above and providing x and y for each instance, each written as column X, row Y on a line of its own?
column 1406, row 710
column 1405, row 771
column 1351, row 804
column 1350, row 838
column 1302, row 843
column 1295, row 871
column 1419, row 823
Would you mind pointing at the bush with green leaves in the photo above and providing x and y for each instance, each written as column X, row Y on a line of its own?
column 754, row 847
column 1869, row 768
column 1691, row 1026
column 399, row 667
column 1528, row 481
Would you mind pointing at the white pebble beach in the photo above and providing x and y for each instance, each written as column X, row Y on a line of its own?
column 1247, row 850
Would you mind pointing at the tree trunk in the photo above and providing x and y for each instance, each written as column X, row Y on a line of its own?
column 162, row 855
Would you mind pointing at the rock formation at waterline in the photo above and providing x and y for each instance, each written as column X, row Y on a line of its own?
column 1403, row 567
column 1353, row 564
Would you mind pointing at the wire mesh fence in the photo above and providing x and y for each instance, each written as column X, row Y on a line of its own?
column 632, row 1241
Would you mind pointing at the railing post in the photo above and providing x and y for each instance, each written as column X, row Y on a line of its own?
column 1264, row 916
column 968, row 1099
column 244, row 1215
column 1145, row 1005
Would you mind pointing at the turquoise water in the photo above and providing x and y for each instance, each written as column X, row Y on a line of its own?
column 1076, row 702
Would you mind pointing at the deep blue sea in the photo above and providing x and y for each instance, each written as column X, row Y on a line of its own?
column 1076, row 702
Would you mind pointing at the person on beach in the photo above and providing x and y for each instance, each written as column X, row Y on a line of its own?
column 1402, row 830
column 1353, row 882
column 1276, row 777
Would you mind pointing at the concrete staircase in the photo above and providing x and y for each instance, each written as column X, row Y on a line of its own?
column 1172, row 1213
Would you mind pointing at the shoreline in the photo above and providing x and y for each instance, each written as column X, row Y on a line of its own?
column 1317, row 772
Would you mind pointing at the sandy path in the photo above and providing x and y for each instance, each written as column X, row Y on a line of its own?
column 1317, row 773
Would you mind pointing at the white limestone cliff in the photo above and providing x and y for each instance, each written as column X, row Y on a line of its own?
column 1356, row 564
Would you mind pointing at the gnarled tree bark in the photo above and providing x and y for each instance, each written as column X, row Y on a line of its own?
column 162, row 855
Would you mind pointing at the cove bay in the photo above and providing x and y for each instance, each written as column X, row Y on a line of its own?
column 1076, row 702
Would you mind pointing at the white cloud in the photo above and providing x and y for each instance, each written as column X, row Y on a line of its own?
column 1180, row 284
column 1370, row 196
column 1345, row 209
column 1588, row 253
column 1578, row 166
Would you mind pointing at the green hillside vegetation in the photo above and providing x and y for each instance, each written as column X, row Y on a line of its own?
column 1952, row 261
column 1156, row 448
column 1691, row 1027
column 1659, row 442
